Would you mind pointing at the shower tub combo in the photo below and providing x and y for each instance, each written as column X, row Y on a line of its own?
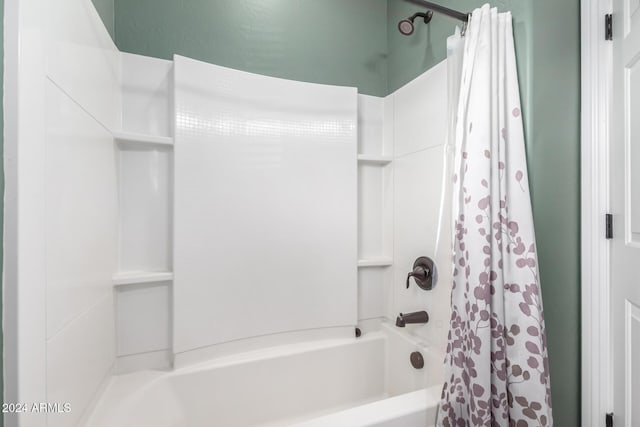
column 305, row 368
column 300, row 364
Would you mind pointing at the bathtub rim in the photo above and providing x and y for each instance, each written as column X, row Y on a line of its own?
column 384, row 410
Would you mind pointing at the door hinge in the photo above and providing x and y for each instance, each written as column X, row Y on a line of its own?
column 609, row 419
column 608, row 26
column 608, row 233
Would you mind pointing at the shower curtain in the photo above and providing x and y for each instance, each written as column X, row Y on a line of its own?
column 496, row 367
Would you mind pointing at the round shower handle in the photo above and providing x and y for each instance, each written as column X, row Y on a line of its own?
column 422, row 273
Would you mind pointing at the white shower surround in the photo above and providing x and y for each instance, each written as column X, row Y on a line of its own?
column 407, row 122
column 265, row 206
column 375, row 368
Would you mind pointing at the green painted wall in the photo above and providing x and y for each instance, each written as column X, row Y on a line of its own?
column 547, row 36
column 106, row 11
column 553, row 149
column 302, row 40
column 360, row 46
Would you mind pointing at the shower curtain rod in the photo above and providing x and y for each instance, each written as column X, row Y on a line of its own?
column 464, row 17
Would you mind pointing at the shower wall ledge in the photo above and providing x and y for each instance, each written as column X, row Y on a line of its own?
column 375, row 160
column 137, row 138
column 132, row 278
column 143, row 280
column 375, row 262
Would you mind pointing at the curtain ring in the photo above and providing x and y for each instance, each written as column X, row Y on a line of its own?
column 465, row 24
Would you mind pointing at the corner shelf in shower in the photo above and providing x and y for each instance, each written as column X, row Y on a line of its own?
column 375, row 262
column 137, row 138
column 134, row 277
column 374, row 160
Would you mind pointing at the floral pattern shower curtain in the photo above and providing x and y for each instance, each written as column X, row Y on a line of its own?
column 496, row 368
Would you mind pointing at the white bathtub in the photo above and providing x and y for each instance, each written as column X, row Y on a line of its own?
column 366, row 381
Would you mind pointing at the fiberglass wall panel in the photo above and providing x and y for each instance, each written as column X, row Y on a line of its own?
column 265, row 205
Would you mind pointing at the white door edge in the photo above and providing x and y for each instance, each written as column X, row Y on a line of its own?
column 596, row 61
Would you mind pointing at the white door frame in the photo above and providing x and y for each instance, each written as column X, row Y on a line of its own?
column 596, row 61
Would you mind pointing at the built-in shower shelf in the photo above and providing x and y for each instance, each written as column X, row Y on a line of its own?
column 375, row 262
column 142, row 139
column 134, row 277
column 374, row 160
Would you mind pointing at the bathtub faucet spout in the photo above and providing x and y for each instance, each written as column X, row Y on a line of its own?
column 415, row 317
